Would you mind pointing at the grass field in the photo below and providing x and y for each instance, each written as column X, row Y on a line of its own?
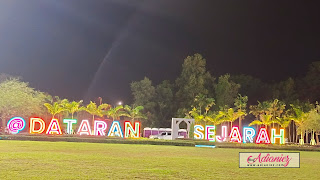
column 70, row 160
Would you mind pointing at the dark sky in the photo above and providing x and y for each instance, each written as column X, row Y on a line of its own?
column 83, row 49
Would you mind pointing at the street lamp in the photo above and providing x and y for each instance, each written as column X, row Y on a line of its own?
column 119, row 103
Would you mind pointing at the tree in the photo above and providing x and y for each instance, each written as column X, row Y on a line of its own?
column 203, row 103
column 286, row 91
column 309, row 86
column 230, row 115
column 201, row 107
column 284, row 121
column 5, row 77
column 276, row 108
column 164, row 104
column 264, row 119
column 241, row 104
column 215, row 118
column 134, row 113
column 95, row 110
column 17, row 98
column 252, row 87
column 226, row 91
column 74, row 107
column 54, row 108
column 198, row 118
column 312, row 123
column 143, row 95
column 300, row 118
column 116, row 112
column 193, row 80
column 261, row 108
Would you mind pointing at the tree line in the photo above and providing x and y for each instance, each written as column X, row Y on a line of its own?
column 196, row 93
column 18, row 99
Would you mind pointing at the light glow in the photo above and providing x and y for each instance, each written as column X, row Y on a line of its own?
column 115, row 129
column 274, row 136
column 16, row 124
column 54, row 127
column 100, row 128
column 84, row 128
column 223, row 136
column 235, row 135
column 248, row 134
column 69, row 123
column 263, row 136
column 198, row 134
column 134, row 131
column 210, row 133
column 41, row 123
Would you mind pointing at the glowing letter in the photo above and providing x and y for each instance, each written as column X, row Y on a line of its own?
column 69, row 123
column 100, row 128
column 129, row 130
column 16, row 124
column 235, row 135
column 248, row 134
column 197, row 132
column 223, row 136
column 115, row 129
column 263, row 136
column 33, row 122
column 84, row 128
column 274, row 136
column 210, row 133
column 54, row 127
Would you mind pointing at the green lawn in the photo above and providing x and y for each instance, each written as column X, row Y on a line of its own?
column 68, row 160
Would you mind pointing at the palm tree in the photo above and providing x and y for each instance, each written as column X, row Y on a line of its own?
column 116, row 112
column 276, row 108
column 261, row 108
column 134, row 113
column 197, row 111
column 264, row 119
column 241, row 104
column 284, row 122
column 215, row 118
column 54, row 108
column 95, row 110
column 63, row 103
column 198, row 118
column 299, row 117
column 202, row 100
column 231, row 115
column 74, row 107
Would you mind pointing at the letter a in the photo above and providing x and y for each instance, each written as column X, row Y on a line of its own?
column 54, row 127
column 263, row 136
column 84, row 128
column 235, row 135
column 115, row 129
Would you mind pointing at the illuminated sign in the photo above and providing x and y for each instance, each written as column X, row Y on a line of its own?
column 16, row 124
column 248, row 135
column 132, row 130
column 38, row 126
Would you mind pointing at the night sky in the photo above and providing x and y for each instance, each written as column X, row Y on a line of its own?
column 81, row 49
